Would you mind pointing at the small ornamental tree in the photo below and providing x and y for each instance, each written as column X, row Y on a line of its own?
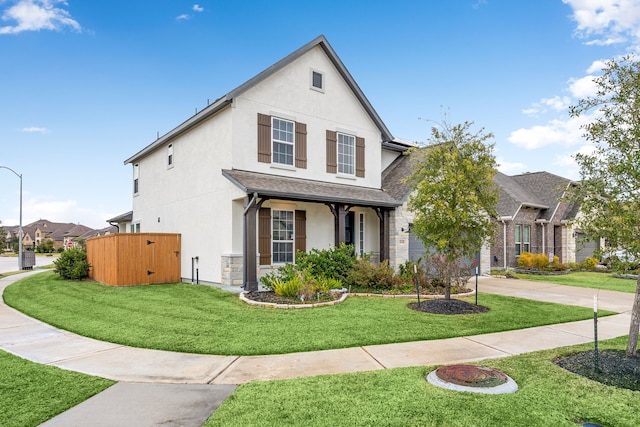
column 609, row 191
column 454, row 197
column 3, row 239
column 72, row 264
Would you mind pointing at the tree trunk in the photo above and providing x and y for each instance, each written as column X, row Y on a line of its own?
column 447, row 288
column 632, row 346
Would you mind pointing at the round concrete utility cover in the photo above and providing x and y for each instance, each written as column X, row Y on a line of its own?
column 476, row 379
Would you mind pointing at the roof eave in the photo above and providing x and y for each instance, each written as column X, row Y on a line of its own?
column 194, row 120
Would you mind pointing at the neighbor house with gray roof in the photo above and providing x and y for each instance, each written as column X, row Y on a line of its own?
column 535, row 218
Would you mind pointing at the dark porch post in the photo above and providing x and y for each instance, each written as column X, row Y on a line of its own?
column 383, row 216
column 339, row 214
column 250, row 250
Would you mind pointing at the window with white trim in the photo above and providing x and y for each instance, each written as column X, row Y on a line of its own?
column 282, row 236
column 170, row 156
column 282, row 137
column 346, row 154
column 135, row 228
column 522, row 239
column 136, row 178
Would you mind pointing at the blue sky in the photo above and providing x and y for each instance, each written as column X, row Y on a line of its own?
column 86, row 84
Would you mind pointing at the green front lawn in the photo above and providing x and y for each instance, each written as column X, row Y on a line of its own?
column 203, row 319
column 547, row 396
column 31, row 393
column 585, row 279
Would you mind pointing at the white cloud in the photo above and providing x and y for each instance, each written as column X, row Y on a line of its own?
column 606, row 22
column 567, row 163
column 583, row 87
column 198, row 8
column 596, row 66
column 182, row 17
column 36, row 15
column 34, row 129
column 556, row 132
column 478, row 4
column 42, row 207
column 556, row 103
column 510, row 168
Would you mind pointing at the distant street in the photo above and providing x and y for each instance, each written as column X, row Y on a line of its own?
column 10, row 263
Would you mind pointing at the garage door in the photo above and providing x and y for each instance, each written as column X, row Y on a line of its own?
column 584, row 248
column 417, row 250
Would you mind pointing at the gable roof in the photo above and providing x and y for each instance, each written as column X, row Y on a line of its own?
column 308, row 190
column 225, row 100
column 538, row 190
column 546, row 187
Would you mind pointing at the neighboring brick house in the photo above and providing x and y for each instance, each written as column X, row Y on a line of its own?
column 62, row 234
column 533, row 217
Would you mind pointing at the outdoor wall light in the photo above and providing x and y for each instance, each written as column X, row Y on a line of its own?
column 407, row 229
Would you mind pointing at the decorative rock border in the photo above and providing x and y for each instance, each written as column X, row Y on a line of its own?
column 344, row 297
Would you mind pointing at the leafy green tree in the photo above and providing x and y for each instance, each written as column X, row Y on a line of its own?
column 609, row 191
column 14, row 243
column 454, row 197
column 46, row 246
column 3, row 239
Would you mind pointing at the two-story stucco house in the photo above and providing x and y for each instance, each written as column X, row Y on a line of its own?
column 290, row 160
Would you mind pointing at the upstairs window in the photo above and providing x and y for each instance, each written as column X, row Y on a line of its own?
column 136, row 178
column 346, row 154
column 170, row 155
column 283, row 140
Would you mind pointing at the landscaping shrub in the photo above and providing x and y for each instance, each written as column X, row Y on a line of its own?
column 525, row 260
column 376, row 277
column 72, row 264
column 590, row 263
column 334, row 263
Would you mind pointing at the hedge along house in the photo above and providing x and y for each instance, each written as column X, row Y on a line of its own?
column 290, row 160
column 535, row 218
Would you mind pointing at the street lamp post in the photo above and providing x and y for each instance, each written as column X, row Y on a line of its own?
column 20, row 226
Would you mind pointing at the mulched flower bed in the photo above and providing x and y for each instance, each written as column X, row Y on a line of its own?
column 443, row 306
column 616, row 368
column 273, row 298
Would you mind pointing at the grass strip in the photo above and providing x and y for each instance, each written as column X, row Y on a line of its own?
column 584, row 279
column 202, row 319
column 548, row 396
column 31, row 394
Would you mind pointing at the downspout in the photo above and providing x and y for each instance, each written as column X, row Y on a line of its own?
column 542, row 222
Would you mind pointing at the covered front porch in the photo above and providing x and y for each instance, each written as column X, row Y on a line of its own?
column 282, row 215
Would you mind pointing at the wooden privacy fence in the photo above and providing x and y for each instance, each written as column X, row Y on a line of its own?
column 127, row 259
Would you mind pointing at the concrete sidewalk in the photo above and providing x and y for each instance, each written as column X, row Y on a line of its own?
column 33, row 340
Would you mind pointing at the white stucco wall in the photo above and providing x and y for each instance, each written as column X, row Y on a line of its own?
column 287, row 94
column 194, row 199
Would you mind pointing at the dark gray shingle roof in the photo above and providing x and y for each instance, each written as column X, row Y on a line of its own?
column 308, row 190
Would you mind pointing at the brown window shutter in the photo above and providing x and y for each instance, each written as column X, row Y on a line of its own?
column 301, row 231
column 360, row 157
column 264, row 138
column 264, row 235
column 301, row 145
column 332, row 151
